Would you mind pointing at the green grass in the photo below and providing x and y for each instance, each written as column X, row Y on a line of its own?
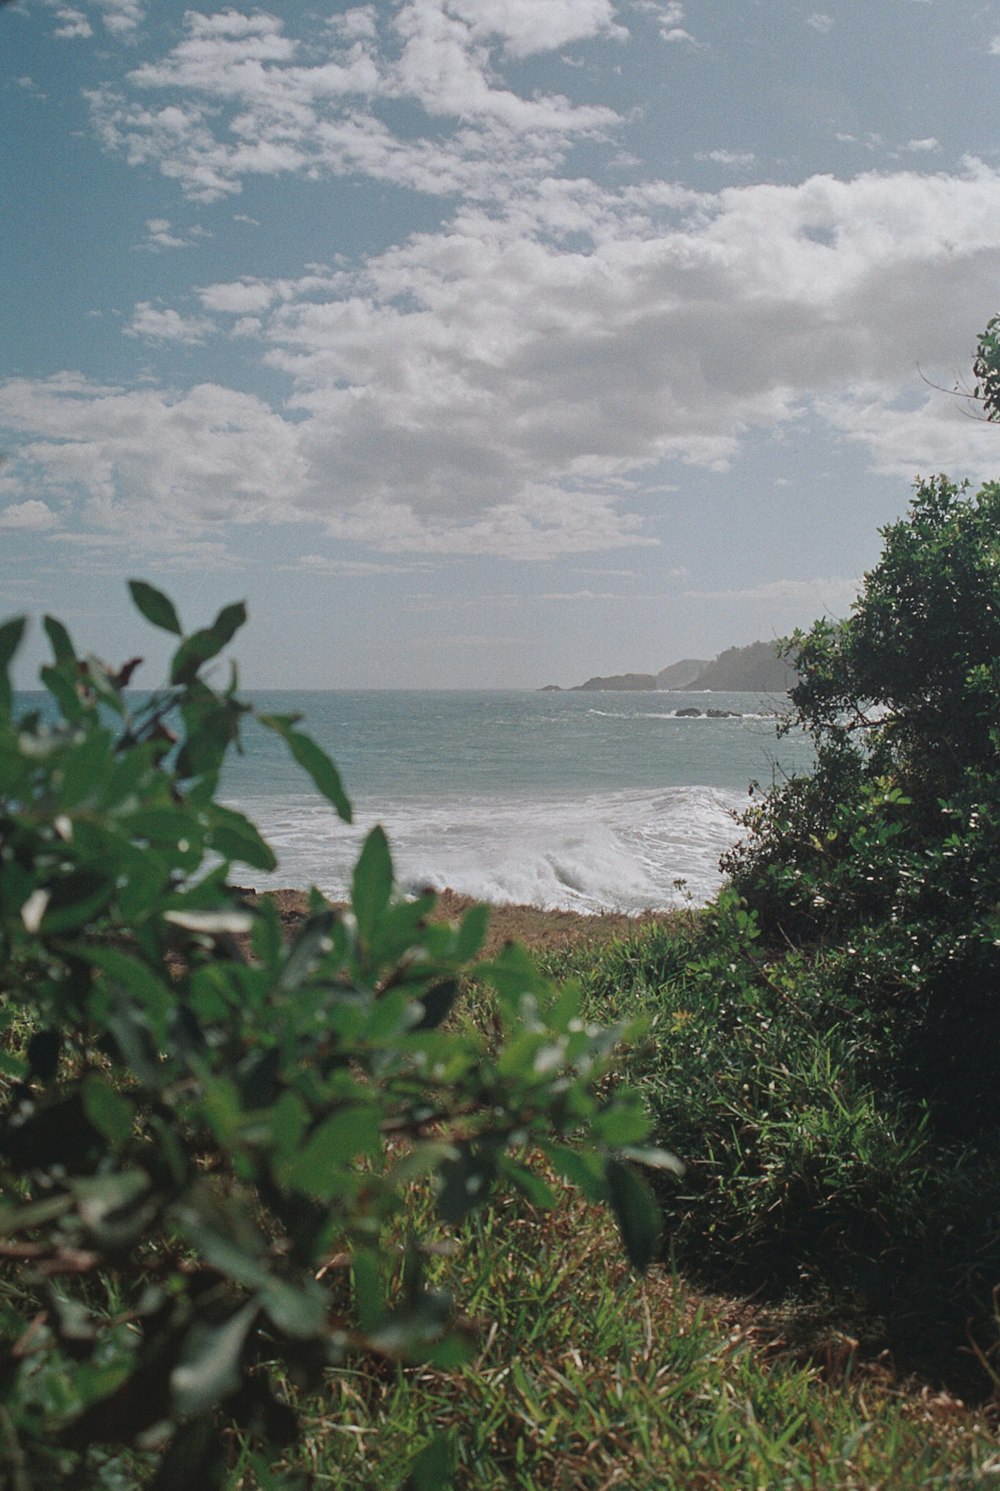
column 797, row 1333
column 842, row 1239
column 584, row 1378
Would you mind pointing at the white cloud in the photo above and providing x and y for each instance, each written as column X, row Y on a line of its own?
column 531, row 26
column 910, row 439
column 821, row 22
column 161, row 235
column 326, row 565
column 151, row 467
column 121, row 17
column 509, row 381
column 582, row 595
column 830, row 595
column 167, row 325
column 360, row 23
column 246, row 99
column 922, row 147
column 670, row 16
column 741, row 158
column 239, row 297
column 72, row 24
column 27, row 516
column 485, row 388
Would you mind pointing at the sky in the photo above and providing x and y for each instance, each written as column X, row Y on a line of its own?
column 483, row 343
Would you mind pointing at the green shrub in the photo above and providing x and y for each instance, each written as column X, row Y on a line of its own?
column 795, row 1158
column 812, row 1177
column 207, row 1145
column 893, row 843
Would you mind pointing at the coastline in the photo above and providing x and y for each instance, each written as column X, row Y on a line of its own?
column 538, row 929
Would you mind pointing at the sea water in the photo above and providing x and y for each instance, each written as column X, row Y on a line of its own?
column 580, row 800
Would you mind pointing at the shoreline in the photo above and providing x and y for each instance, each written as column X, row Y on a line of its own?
column 538, row 929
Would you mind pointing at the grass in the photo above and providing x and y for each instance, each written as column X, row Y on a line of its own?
column 809, row 1188
column 761, row 1356
column 584, row 1378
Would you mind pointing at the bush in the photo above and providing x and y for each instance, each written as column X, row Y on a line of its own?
column 209, row 1138
column 798, row 1164
column 812, row 1180
column 892, row 846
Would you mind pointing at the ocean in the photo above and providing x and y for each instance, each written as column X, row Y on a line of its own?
column 578, row 800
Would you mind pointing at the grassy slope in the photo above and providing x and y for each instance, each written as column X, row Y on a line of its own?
column 583, row 1377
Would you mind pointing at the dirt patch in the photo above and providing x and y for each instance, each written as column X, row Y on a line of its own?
column 541, row 931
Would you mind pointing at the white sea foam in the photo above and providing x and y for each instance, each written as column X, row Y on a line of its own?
column 623, row 850
column 558, row 800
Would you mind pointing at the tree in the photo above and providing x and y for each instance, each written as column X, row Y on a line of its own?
column 986, row 369
column 891, row 847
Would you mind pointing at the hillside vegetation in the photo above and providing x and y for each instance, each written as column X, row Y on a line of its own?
column 760, row 668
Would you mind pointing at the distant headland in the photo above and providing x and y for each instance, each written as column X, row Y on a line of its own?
column 758, row 668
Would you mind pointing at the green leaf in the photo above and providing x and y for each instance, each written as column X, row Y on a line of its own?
column 226, row 1240
column 266, row 935
column 85, row 769
column 165, row 826
column 299, row 1312
column 528, row 1183
column 11, row 633
column 636, row 1212
column 313, row 941
column 471, row 933
column 62, row 685
column 620, row 1125
column 513, row 974
column 369, row 1291
column 134, row 978
column 206, row 644
column 344, row 1136
column 62, row 647
column 155, row 606
column 313, row 760
column 115, row 1208
column 107, row 1110
column 76, row 900
column 437, row 1002
column 236, row 838
column 464, row 1183
column 582, row 1168
column 209, row 1368
column 15, row 1219
column 371, row 884
column 434, row 1468
column 653, row 1157
column 289, row 1118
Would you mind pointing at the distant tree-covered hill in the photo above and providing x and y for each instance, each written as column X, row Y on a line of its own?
column 754, row 669
column 624, row 681
column 681, row 675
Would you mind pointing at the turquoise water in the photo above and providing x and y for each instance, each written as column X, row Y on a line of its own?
column 588, row 801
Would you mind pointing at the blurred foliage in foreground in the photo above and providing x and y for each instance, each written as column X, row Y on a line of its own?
column 215, row 1163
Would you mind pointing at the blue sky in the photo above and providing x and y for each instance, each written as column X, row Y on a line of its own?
column 484, row 342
